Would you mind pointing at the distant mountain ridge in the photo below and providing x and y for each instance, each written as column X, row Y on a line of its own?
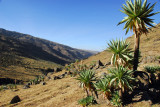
column 33, row 47
column 25, row 57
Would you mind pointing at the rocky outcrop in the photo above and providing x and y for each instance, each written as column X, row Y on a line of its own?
column 43, row 83
column 15, row 99
column 98, row 64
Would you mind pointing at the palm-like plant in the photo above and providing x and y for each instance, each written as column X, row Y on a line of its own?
column 122, row 54
column 86, row 79
column 121, row 78
column 103, row 86
column 137, row 19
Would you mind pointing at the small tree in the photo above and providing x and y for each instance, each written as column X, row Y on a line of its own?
column 103, row 85
column 86, row 79
column 122, row 54
column 137, row 19
column 121, row 79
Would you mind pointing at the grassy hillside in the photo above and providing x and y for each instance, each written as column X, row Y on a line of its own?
column 23, row 56
column 58, row 93
column 66, row 92
column 149, row 47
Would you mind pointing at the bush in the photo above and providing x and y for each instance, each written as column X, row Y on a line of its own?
column 152, row 69
column 158, row 57
column 86, row 79
column 1, row 88
column 103, row 86
column 12, row 86
column 87, row 101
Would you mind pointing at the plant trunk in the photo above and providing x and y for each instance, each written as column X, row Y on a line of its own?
column 87, row 91
column 136, row 51
column 120, row 95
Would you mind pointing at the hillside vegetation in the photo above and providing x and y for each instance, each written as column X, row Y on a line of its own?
column 149, row 48
column 65, row 92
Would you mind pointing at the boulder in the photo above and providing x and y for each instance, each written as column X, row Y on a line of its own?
column 15, row 99
column 91, row 67
column 57, row 69
column 62, row 75
column 98, row 64
column 50, row 70
column 56, row 77
column 43, row 83
column 28, row 83
column 69, row 73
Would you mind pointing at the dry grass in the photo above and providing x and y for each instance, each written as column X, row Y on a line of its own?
column 149, row 46
column 29, row 70
column 66, row 92
column 58, row 93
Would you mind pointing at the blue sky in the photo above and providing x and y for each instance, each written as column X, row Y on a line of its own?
column 83, row 24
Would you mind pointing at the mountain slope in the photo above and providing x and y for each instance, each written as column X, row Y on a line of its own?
column 23, row 56
column 149, row 47
column 33, row 47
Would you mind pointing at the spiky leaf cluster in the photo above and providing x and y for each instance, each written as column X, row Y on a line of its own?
column 86, row 78
column 103, row 85
column 138, row 16
column 121, row 77
column 122, row 54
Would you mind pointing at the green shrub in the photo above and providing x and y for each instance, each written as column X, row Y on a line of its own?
column 3, row 87
column 36, row 80
column 158, row 57
column 12, row 86
column 103, row 86
column 116, row 100
column 121, row 52
column 86, row 79
column 87, row 101
column 152, row 69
